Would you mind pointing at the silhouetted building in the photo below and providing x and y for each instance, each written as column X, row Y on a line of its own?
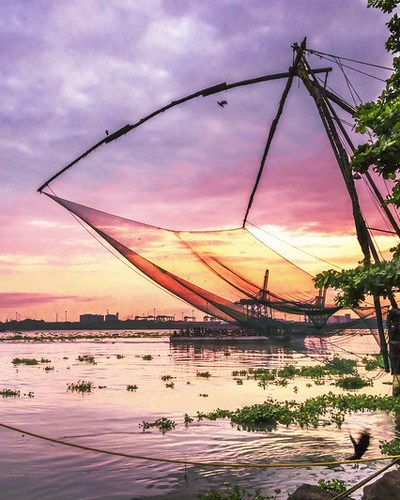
column 91, row 318
column 112, row 317
column 162, row 317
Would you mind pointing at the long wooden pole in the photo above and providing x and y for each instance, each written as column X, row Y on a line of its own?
column 292, row 74
column 363, row 235
column 370, row 181
column 215, row 89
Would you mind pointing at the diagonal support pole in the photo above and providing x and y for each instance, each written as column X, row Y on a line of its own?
column 363, row 235
column 292, row 74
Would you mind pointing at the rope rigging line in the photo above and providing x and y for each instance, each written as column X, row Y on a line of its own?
column 359, row 71
column 195, row 462
column 280, row 255
column 350, row 86
column 385, row 220
column 334, row 59
column 294, row 246
column 381, row 230
column 366, row 480
column 319, row 53
column 334, row 93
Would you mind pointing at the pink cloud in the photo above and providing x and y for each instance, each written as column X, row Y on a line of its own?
column 23, row 299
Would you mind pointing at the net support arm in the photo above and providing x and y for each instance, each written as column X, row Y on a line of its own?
column 292, row 74
column 215, row 89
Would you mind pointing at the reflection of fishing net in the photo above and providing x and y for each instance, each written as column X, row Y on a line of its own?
column 228, row 274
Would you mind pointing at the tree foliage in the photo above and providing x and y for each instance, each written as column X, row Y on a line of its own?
column 382, row 117
column 379, row 279
column 382, row 154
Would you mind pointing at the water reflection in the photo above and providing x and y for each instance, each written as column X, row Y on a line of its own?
column 109, row 418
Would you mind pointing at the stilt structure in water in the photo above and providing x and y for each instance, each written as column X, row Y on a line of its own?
column 219, row 283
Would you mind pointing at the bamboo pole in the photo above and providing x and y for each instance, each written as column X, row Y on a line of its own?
column 371, row 182
column 363, row 235
column 292, row 73
column 215, row 89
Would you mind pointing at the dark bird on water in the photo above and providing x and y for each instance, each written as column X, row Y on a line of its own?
column 361, row 445
column 222, row 103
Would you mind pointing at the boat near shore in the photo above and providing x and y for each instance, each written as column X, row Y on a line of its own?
column 216, row 335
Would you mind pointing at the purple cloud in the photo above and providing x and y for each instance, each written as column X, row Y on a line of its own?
column 65, row 81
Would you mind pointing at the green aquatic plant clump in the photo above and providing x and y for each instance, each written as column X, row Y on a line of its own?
column 267, row 415
column 10, row 393
column 86, row 358
column 187, row 418
column 391, row 448
column 235, row 493
column 335, row 485
column 203, row 374
column 323, row 410
column 339, row 365
column 80, row 386
column 214, row 415
column 336, row 367
column 131, row 387
column 25, row 361
column 354, row 382
column 163, row 424
column 373, row 363
column 147, row 357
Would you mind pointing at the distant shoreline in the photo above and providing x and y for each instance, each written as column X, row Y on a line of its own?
column 31, row 325
column 28, row 325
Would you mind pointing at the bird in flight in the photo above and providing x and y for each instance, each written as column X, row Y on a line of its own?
column 361, row 445
column 222, row 103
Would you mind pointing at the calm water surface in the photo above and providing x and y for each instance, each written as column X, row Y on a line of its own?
column 109, row 418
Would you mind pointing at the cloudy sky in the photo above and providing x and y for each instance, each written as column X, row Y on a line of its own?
column 73, row 69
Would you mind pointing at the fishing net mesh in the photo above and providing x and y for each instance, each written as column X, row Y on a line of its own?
column 228, row 274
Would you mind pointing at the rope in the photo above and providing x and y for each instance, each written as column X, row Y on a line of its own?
column 194, row 462
column 366, row 480
column 335, row 58
column 311, row 51
column 293, row 246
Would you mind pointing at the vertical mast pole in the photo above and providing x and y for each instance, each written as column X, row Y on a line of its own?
column 363, row 235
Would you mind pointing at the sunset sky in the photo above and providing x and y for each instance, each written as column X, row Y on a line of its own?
column 72, row 70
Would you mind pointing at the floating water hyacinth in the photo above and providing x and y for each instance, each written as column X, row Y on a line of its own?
column 163, row 424
column 86, row 358
column 81, row 386
column 25, row 361
column 10, row 393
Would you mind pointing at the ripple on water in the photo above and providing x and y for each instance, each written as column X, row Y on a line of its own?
column 109, row 418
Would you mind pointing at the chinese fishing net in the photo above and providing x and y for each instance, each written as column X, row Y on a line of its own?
column 228, row 274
